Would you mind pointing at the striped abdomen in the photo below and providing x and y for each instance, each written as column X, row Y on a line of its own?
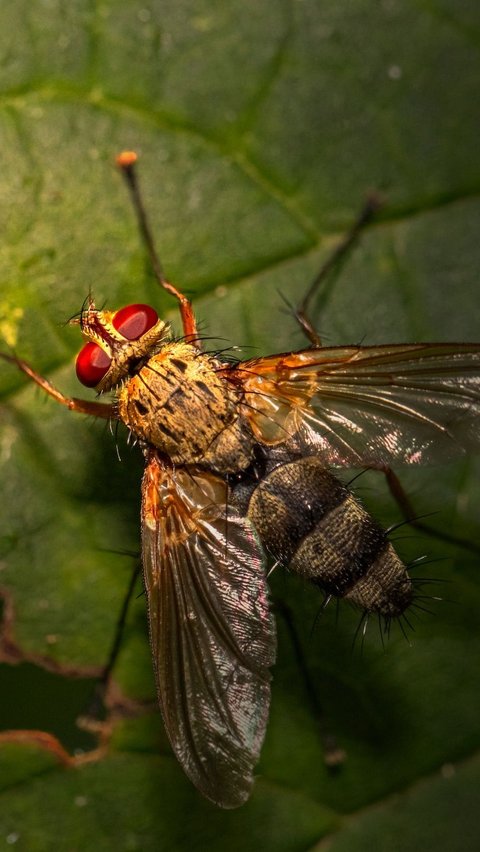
column 309, row 521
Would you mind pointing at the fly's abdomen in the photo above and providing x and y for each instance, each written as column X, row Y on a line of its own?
column 311, row 522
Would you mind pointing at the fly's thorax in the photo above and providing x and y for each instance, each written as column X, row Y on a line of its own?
column 180, row 402
column 311, row 522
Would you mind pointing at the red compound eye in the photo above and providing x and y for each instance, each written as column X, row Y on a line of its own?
column 134, row 320
column 92, row 365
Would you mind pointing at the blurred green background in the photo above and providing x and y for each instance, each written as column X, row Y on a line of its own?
column 260, row 128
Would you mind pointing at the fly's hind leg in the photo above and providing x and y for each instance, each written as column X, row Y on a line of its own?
column 371, row 206
column 73, row 403
column 334, row 755
column 411, row 517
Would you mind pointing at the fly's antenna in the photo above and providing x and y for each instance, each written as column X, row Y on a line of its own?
column 126, row 162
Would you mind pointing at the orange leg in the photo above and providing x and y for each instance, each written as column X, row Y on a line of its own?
column 126, row 163
column 83, row 406
column 189, row 322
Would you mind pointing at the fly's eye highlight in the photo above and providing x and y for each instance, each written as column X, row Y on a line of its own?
column 134, row 320
column 92, row 364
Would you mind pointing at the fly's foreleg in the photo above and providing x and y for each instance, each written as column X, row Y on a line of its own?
column 126, row 162
column 82, row 406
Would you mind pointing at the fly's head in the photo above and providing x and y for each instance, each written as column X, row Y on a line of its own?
column 119, row 342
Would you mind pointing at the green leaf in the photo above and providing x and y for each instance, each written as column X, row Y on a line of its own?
column 260, row 128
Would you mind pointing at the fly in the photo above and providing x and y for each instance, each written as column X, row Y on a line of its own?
column 238, row 471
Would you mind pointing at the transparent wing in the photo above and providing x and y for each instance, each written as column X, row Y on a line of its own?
column 212, row 635
column 413, row 403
